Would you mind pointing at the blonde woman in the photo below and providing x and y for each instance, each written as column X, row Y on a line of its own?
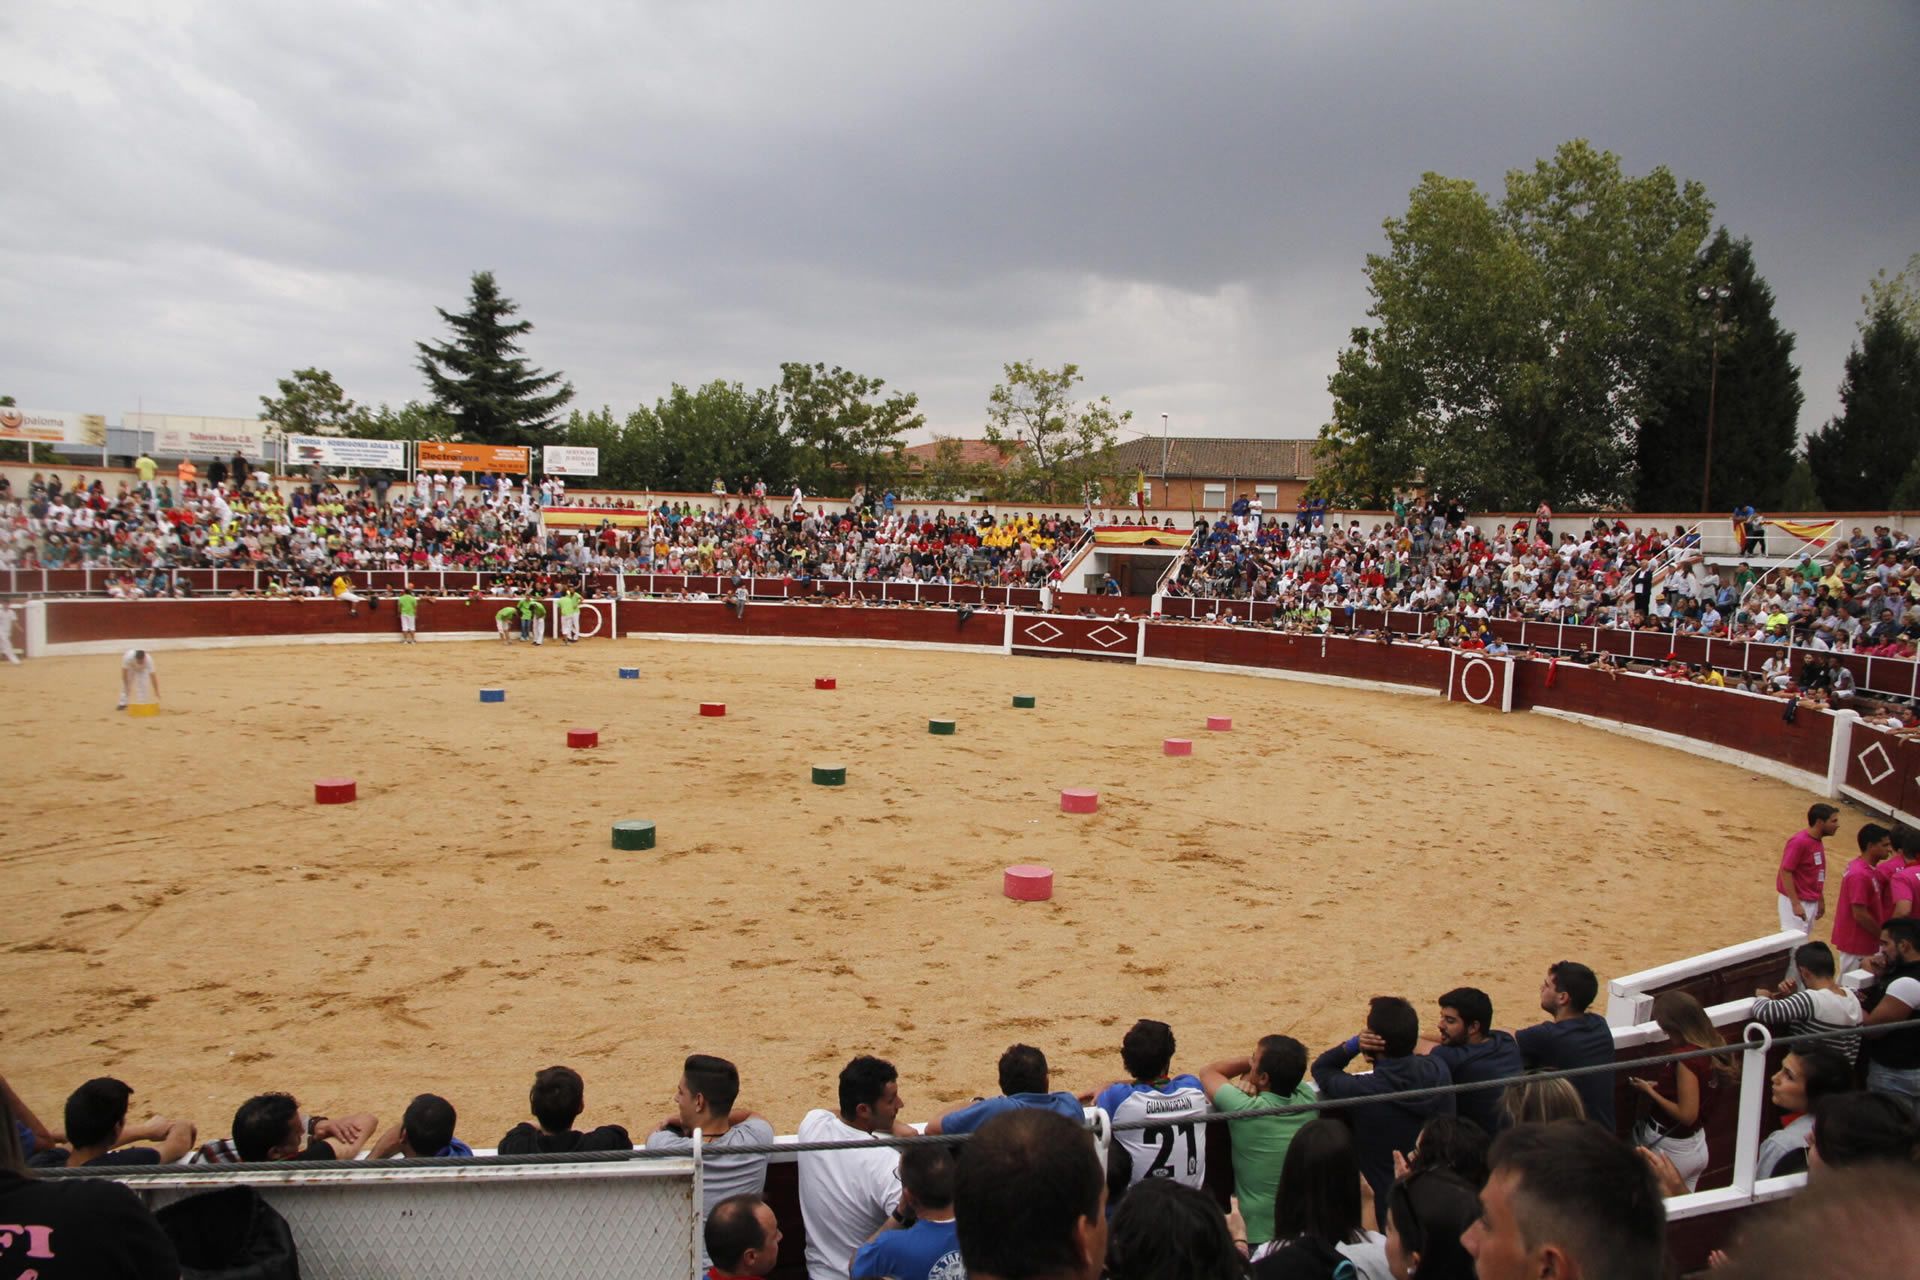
column 1683, row 1097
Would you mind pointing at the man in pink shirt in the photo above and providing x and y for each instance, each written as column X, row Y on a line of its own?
column 1862, row 907
column 1900, row 873
column 1801, row 881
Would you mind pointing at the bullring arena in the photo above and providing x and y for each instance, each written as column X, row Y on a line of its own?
column 466, row 921
column 1378, row 818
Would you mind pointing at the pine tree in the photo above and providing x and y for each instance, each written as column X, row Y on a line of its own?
column 1862, row 455
column 1756, row 398
column 480, row 379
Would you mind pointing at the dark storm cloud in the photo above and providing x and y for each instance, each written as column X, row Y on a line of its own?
column 203, row 197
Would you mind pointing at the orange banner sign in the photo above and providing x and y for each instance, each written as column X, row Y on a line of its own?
column 436, row 455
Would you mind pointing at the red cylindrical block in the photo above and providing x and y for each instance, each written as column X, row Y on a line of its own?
column 1079, row 801
column 824, row 682
column 334, row 791
column 583, row 737
column 1028, row 884
column 1220, row 724
column 713, row 708
column 1177, row 746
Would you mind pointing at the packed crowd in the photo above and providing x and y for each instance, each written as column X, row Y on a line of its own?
column 1448, row 1156
column 1859, row 593
column 237, row 517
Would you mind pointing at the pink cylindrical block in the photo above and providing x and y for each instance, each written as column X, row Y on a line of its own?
column 1028, row 884
column 334, row 791
column 713, row 708
column 1177, row 746
column 1220, row 724
column 1079, row 801
column 583, row 737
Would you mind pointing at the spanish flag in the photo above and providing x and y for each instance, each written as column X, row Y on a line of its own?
column 1134, row 536
column 1140, row 492
column 1816, row 533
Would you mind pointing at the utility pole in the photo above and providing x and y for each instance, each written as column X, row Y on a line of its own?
column 1717, row 295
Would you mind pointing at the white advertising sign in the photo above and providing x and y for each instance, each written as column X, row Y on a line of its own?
column 344, row 451
column 570, row 460
column 52, row 426
column 181, row 435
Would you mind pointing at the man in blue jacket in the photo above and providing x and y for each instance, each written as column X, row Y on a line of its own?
column 1382, row 1128
column 1473, row 1052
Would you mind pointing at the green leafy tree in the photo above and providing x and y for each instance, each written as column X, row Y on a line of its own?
column 1755, row 400
column 1513, row 345
column 1800, row 494
column 1058, row 447
column 1860, row 456
column 1900, row 290
column 482, row 382
column 723, row 430
column 843, row 434
column 413, row 420
column 311, row 403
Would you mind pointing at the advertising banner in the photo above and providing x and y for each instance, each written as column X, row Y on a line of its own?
column 344, row 451
column 177, row 435
column 570, row 460
column 53, row 427
column 437, row 455
column 589, row 518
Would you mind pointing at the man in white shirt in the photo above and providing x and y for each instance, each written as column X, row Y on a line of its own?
column 8, row 616
column 139, row 682
column 846, row 1195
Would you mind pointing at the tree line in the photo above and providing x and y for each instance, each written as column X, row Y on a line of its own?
column 823, row 428
column 1591, row 339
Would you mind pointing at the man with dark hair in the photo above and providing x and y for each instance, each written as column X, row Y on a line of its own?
column 1570, row 1201
column 97, row 1130
column 1901, row 873
column 1031, row 1200
column 1893, row 1058
column 742, row 1238
column 270, row 1126
column 1801, row 881
column 1177, row 1150
column 81, row 1227
column 1024, row 1082
column 1813, row 1001
column 1856, row 1128
column 1382, row 1128
column 1474, row 1052
column 1862, row 904
column 919, row 1241
column 704, row 1100
column 1273, row 1075
column 1572, row 1037
column 425, row 1130
column 557, row 1098
column 846, row 1194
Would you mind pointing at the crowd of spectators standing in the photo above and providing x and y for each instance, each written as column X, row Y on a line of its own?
column 237, row 516
column 1446, row 1157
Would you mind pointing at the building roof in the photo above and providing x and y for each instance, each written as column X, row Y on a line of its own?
column 1218, row 458
column 972, row 453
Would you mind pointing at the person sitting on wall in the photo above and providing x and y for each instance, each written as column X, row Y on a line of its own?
column 557, row 1098
column 97, row 1131
column 270, row 1126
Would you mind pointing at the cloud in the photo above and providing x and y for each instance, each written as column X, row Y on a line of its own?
column 206, row 196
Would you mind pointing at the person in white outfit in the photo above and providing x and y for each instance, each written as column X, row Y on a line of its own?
column 139, row 682
column 8, row 616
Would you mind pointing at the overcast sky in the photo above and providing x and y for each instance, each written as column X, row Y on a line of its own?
column 201, row 197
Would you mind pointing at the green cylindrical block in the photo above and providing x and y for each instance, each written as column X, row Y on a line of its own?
column 830, row 775
column 1024, row 700
column 940, row 726
column 633, row 835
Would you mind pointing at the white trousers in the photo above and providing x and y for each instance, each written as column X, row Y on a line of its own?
column 1792, row 917
column 569, row 626
column 1689, row 1155
column 539, row 630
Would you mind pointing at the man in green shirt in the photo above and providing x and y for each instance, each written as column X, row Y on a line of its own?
column 409, row 605
column 533, row 620
column 505, row 619
column 1274, row 1077
column 569, row 606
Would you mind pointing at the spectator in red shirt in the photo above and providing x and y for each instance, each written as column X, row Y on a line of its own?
column 1862, row 907
column 1801, row 881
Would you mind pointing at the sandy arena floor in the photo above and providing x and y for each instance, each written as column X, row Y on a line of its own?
column 180, row 914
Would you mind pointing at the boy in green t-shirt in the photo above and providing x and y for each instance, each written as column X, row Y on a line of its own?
column 569, row 607
column 533, row 618
column 409, row 606
column 1274, row 1077
column 504, row 619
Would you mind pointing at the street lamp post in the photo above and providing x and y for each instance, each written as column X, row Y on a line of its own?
column 1166, row 444
column 1717, row 295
